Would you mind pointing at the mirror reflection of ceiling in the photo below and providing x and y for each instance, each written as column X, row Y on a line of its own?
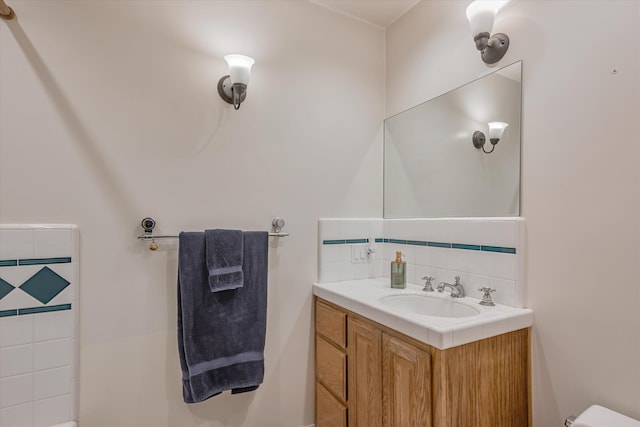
column 380, row 13
column 432, row 169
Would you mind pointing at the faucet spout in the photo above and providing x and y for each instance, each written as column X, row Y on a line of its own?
column 457, row 291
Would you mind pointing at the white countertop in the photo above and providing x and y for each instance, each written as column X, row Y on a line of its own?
column 363, row 297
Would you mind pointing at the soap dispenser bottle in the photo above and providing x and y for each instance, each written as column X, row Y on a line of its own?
column 398, row 272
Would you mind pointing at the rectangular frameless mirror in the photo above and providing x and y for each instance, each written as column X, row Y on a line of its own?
column 432, row 167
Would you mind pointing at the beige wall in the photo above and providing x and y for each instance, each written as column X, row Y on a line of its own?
column 580, row 178
column 109, row 113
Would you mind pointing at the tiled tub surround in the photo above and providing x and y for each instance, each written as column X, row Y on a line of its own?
column 38, row 324
column 484, row 252
column 363, row 297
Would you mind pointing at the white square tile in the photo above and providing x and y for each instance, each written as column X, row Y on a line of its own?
column 75, row 358
column 504, row 233
column 478, row 232
column 17, row 416
column 478, row 263
column 437, row 257
column 362, row 271
column 457, row 231
column 457, row 259
column 54, row 325
column 51, row 242
column 328, row 229
column 55, row 410
column 16, row 330
column 15, row 244
column 17, row 275
column 503, row 266
column 16, row 360
column 330, row 253
column 376, row 228
column 475, row 282
column 422, row 256
column 52, row 382
column 16, row 390
column 505, row 291
column 348, row 229
column 52, row 354
column 378, row 268
column 362, row 229
column 329, row 273
column 346, row 271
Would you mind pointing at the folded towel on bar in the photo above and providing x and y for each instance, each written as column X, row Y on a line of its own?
column 221, row 335
column 224, row 259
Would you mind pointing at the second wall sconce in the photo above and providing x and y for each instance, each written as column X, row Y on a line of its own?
column 481, row 14
column 496, row 129
column 232, row 88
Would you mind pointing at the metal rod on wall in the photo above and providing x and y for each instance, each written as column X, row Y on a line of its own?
column 5, row 11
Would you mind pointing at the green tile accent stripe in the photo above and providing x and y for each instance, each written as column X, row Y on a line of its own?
column 439, row 245
column 35, row 310
column 467, row 247
column 45, row 285
column 464, row 246
column 41, row 261
column 499, row 249
column 34, row 261
column 7, row 313
column 344, row 241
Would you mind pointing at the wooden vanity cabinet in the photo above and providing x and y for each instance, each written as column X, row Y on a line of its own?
column 368, row 375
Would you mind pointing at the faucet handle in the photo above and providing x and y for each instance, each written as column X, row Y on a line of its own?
column 486, row 297
column 428, row 287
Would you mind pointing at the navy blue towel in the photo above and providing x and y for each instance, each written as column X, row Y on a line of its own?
column 224, row 259
column 221, row 335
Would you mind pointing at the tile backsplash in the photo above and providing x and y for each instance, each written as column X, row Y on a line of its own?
column 38, row 324
column 482, row 251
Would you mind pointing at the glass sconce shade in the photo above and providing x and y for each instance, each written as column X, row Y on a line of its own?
column 481, row 14
column 496, row 129
column 239, row 68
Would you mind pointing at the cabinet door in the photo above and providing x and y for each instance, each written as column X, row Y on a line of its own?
column 406, row 384
column 364, row 374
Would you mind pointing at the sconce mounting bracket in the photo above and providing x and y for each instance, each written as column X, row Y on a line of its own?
column 496, row 48
column 478, row 139
column 225, row 90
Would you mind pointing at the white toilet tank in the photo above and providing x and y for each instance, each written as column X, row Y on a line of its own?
column 598, row 416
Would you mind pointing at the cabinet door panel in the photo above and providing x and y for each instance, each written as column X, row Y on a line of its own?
column 364, row 376
column 406, row 384
column 329, row 411
column 331, row 365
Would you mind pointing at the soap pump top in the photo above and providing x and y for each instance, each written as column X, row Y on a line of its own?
column 399, row 256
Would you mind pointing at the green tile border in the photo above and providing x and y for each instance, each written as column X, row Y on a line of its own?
column 8, row 313
column 445, row 245
column 44, row 309
column 34, row 261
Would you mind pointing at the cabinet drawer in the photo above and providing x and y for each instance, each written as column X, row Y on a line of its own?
column 329, row 411
column 331, row 323
column 331, row 365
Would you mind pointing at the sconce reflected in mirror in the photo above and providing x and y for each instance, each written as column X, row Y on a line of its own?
column 496, row 129
column 232, row 88
column 481, row 14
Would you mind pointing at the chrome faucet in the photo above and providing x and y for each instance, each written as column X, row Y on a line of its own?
column 457, row 291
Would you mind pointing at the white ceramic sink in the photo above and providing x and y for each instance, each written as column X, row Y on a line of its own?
column 428, row 306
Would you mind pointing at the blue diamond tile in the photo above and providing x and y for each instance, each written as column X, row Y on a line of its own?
column 5, row 288
column 44, row 285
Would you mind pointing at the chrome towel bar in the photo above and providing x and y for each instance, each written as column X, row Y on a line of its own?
column 148, row 224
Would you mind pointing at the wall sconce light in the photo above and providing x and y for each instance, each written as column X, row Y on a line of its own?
column 232, row 88
column 481, row 14
column 496, row 129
